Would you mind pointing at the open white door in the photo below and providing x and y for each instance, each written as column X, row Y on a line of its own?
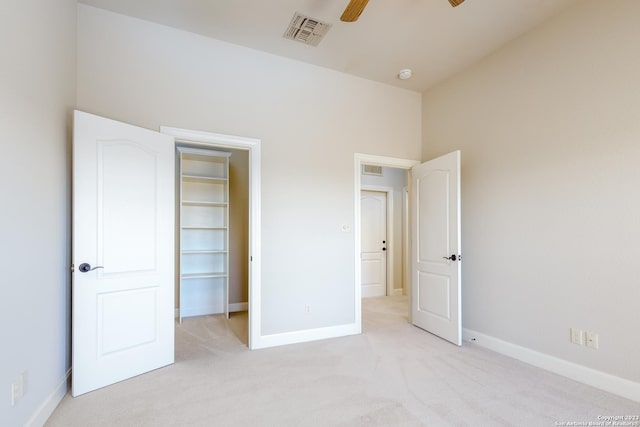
column 123, row 233
column 435, row 251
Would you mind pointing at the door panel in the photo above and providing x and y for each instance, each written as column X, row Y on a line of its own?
column 436, row 282
column 126, row 207
column 373, row 208
column 433, row 294
column 123, row 222
column 434, row 217
column 126, row 319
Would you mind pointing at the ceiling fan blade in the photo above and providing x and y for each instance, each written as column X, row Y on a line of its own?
column 455, row 3
column 353, row 10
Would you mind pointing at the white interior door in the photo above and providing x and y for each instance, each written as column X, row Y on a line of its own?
column 123, row 227
column 435, row 253
column 373, row 255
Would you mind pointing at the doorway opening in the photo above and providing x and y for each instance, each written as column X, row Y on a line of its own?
column 384, row 245
column 381, row 229
column 243, row 225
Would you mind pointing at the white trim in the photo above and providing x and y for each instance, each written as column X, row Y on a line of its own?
column 389, row 232
column 233, row 307
column 46, row 408
column 406, row 250
column 208, row 139
column 607, row 382
column 390, row 162
column 202, row 311
column 358, row 160
column 306, row 335
column 238, row 306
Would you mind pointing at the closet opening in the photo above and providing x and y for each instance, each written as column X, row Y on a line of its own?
column 212, row 236
column 217, row 236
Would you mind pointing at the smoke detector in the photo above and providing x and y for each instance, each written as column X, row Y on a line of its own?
column 306, row 30
column 405, row 74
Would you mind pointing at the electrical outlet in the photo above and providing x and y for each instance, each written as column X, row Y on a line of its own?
column 24, row 382
column 14, row 393
column 307, row 309
column 592, row 340
column 19, row 387
column 576, row 336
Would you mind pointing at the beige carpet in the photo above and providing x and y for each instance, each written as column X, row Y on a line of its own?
column 392, row 375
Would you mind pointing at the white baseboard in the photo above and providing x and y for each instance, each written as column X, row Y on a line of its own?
column 397, row 292
column 607, row 382
column 233, row 307
column 46, row 408
column 296, row 337
column 238, row 306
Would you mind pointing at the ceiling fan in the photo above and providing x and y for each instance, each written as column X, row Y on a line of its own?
column 355, row 8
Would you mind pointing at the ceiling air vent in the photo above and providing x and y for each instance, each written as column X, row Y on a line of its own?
column 306, row 30
column 371, row 170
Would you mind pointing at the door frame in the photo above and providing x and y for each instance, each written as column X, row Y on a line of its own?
column 252, row 145
column 359, row 160
column 388, row 191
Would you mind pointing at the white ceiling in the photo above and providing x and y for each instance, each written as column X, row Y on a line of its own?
column 428, row 36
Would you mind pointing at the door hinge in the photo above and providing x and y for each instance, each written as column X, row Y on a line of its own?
column 72, row 268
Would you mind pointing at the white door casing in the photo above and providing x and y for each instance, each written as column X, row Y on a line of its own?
column 436, row 275
column 123, row 221
column 374, row 241
column 203, row 139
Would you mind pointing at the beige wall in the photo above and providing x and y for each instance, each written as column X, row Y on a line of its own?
column 238, row 226
column 37, row 94
column 310, row 120
column 549, row 128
